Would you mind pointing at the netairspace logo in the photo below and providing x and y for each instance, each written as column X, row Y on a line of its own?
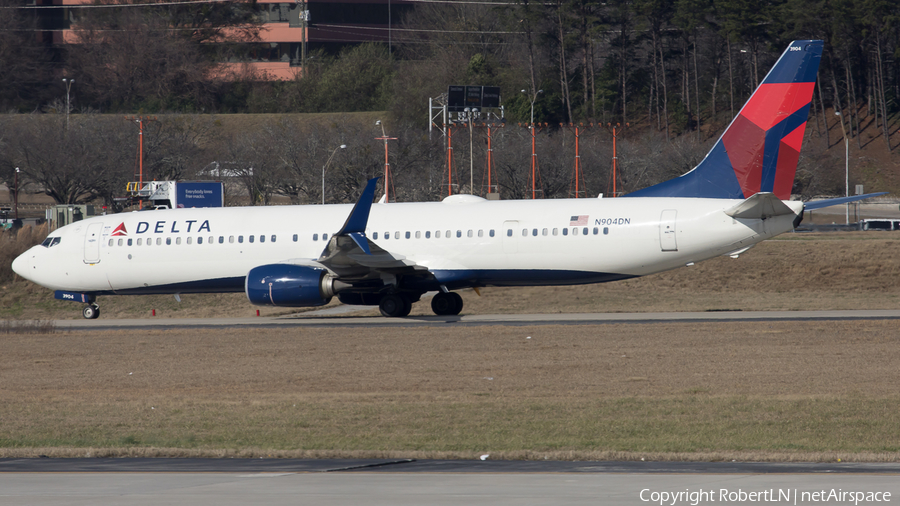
column 773, row 495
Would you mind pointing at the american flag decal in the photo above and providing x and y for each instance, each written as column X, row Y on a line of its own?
column 578, row 220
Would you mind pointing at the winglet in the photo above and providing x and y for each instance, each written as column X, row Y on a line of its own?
column 359, row 216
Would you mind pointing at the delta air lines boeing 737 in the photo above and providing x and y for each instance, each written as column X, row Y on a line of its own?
column 391, row 254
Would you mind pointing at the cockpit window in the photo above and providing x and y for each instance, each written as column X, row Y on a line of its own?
column 50, row 242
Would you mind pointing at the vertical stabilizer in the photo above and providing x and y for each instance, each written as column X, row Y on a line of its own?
column 759, row 150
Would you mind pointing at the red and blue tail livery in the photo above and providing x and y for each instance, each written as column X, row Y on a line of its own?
column 760, row 148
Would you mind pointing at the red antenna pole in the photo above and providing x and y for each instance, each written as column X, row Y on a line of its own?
column 490, row 159
column 616, row 130
column 140, row 121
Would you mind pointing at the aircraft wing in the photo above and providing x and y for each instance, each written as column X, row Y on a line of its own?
column 352, row 257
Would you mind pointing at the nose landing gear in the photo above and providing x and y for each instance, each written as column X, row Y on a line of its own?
column 91, row 311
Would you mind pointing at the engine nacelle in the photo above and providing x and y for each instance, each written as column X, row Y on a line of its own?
column 289, row 285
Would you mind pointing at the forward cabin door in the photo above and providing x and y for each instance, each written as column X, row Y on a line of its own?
column 667, row 230
column 92, row 243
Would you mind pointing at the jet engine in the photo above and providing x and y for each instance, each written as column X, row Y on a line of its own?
column 290, row 286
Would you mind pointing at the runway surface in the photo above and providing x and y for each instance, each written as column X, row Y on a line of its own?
column 478, row 320
column 407, row 482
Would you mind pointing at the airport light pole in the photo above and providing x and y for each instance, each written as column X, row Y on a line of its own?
column 533, row 100
column 387, row 166
column 846, row 166
column 342, row 146
column 68, row 83
column 16, row 194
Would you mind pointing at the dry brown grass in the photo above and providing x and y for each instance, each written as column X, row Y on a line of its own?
column 750, row 391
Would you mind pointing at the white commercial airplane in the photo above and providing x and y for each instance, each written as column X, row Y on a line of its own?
column 391, row 254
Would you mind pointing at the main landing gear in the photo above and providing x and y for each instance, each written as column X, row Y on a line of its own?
column 91, row 311
column 397, row 305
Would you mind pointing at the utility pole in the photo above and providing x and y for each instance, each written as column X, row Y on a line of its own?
column 387, row 165
column 615, row 130
column 140, row 121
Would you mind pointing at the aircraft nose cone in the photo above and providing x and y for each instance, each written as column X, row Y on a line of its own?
column 21, row 265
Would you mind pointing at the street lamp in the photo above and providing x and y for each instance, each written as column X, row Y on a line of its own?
column 387, row 166
column 16, row 193
column 533, row 100
column 846, row 165
column 69, row 83
column 342, row 146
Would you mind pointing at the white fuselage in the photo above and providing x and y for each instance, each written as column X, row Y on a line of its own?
column 472, row 241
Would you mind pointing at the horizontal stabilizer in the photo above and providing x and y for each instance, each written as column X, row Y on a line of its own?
column 760, row 206
column 819, row 204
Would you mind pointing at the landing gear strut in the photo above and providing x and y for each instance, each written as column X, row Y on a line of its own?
column 91, row 312
column 395, row 305
column 446, row 304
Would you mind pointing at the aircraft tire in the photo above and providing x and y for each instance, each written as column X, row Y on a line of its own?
column 91, row 312
column 443, row 304
column 394, row 306
column 458, row 303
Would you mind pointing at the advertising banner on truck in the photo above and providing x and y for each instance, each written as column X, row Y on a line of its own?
column 199, row 194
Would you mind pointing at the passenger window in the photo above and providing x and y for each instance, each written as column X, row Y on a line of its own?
column 138, row 242
column 397, row 234
column 178, row 240
column 555, row 231
column 492, row 232
column 295, row 238
column 119, row 242
column 447, row 235
column 230, row 239
column 199, row 240
column 469, row 233
column 524, row 232
column 374, row 236
column 509, row 232
column 418, row 234
column 159, row 241
column 110, row 242
column 428, row 234
column 544, row 232
column 211, row 240
column 251, row 238
column 534, row 232
column 565, row 231
column 481, row 233
column 129, row 242
column 189, row 240
column 407, row 234
column 387, row 235
column 168, row 241
column 437, row 234
column 272, row 239
column 315, row 237
column 221, row 239
column 262, row 238
column 574, row 231
column 605, row 230
column 584, row 231
column 596, row 230
column 458, row 234
column 240, row 239
column 324, row 237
